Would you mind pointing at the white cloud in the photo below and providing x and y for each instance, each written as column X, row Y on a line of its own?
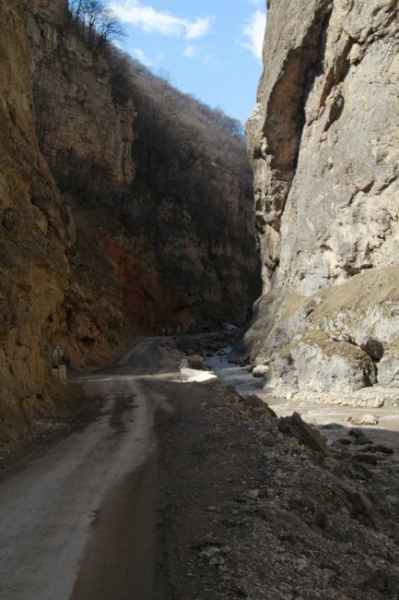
column 119, row 44
column 140, row 55
column 151, row 20
column 195, row 51
column 253, row 32
column 191, row 51
column 198, row 28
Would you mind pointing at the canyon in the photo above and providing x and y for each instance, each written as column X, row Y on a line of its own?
column 117, row 220
column 107, row 233
column 129, row 238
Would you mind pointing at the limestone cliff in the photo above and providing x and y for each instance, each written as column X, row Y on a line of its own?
column 324, row 148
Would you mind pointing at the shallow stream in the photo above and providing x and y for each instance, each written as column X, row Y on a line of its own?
column 331, row 419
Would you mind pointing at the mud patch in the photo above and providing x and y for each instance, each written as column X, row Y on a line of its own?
column 121, row 410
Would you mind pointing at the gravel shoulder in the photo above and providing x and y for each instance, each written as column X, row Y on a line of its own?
column 251, row 512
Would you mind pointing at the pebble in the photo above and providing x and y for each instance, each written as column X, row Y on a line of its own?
column 391, row 499
column 344, row 441
column 364, row 420
column 377, row 403
column 369, row 459
column 210, row 552
column 383, row 448
column 300, row 563
column 216, row 560
column 360, row 438
column 213, row 509
column 285, row 592
column 260, row 371
column 253, row 494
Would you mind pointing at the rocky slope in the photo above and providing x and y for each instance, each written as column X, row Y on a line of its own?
column 324, row 148
column 260, row 508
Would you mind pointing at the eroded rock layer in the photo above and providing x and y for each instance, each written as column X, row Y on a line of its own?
column 324, row 148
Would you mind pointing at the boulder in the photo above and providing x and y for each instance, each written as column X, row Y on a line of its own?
column 372, row 346
column 197, row 362
column 260, row 370
column 255, row 401
column 296, row 427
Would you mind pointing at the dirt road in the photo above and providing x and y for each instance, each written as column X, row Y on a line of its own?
column 78, row 522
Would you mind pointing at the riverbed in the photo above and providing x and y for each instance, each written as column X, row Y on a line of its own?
column 333, row 415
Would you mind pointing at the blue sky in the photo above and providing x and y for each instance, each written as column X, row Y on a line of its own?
column 211, row 48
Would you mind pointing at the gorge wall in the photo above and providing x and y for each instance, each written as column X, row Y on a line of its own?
column 31, row 231
column 173, row 221
column 324, row 148
column 94, row 245
column 54, row 288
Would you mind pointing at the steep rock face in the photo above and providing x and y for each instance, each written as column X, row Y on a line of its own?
column 46, row 295
column 55, row 11
column 324, row 147
column 175, row 230
column 99, row 143
column 84, row 136
column 33, row 239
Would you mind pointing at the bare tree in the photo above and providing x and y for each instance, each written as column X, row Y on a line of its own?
column 109, row 28
column 99, row 23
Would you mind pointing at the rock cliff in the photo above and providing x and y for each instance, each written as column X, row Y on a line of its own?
column 32, row 231
column 93, row 245
column 36, row 238
column 169, row 219
column 324, row 147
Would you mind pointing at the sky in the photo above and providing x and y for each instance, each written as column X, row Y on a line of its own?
column 210, row 49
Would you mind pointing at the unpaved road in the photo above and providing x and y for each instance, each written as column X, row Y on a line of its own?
column 77, row 523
